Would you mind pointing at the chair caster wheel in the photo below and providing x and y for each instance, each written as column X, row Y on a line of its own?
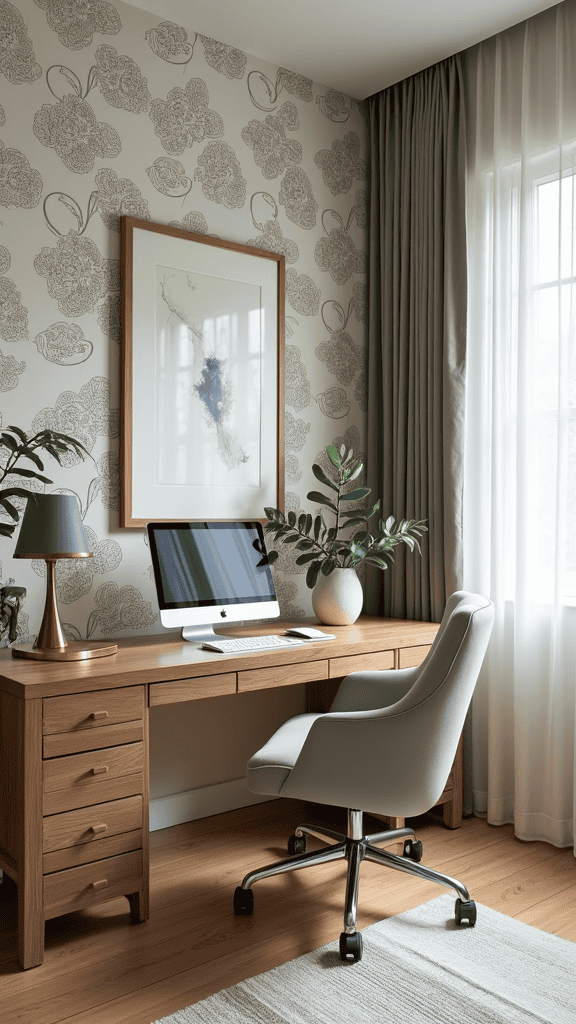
column 413, row 848
column 351, row 946
column 296, row 844
column 465, row 911
column 243, row 901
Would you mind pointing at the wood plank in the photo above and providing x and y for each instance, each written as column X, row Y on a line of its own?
column 191, row 689
column 110, row 846
column 452, row 807
column 165, row 657
column 98, row 709
column 10, row 780
column 378, row 661
column 83, row 796
column 30, row 913
column 193, row 945
column 92, row 739
column 282, row 675
column 97, row 882
column 91, row 824
column 410, row 657
column 93, row 768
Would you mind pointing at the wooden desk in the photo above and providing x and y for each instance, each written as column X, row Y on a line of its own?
column 74, row 771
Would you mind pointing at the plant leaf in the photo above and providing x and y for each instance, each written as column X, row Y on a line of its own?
column 322, row 477
column 10, row 508
column 8, row 441
column 312, row 574
column 357, row 494
column 334, row 456
column 376, row 561
column 303, row 559
column 17, row 492
column 29, row 454
column 20, row 433
column 322, row 499
column 30, row 474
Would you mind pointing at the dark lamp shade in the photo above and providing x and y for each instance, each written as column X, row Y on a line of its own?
column 52, row 527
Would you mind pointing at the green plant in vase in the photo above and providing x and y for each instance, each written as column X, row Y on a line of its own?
column 350, row 540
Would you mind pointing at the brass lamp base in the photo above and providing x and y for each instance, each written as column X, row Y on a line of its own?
column 75, row 650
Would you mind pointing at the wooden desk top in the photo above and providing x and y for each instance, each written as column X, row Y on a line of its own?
column 164, row 657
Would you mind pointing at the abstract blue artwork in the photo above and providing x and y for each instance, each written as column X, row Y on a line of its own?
column 208, row 343
column 202, row 364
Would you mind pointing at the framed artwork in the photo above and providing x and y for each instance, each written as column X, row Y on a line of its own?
column 202, row 377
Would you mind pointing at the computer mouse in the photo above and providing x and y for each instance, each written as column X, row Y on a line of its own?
column 307, row 633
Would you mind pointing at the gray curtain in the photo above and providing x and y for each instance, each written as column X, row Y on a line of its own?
column 417, row 333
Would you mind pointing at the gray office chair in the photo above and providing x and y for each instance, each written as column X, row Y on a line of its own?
column 386, row 746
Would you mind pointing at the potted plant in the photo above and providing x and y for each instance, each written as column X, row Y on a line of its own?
column 19, row 446
column 15, row 445
column 333, row 552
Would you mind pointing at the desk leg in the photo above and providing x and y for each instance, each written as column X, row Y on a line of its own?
column 452, row 809
column 30, row 897
column 140, row 901
column 320, row 693
column 138, row 912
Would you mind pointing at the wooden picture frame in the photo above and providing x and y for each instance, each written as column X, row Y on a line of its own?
column 202, row 377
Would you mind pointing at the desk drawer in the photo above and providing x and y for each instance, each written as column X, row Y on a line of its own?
column 192, row 689
column 410, row 657
column 93, row 769
column 87, row 853
column 91, row 824
column 282, row 675
column 94, row 710
column 375, row 662
column 84, row 886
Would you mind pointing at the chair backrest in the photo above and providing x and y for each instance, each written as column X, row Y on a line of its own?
column 397, row 758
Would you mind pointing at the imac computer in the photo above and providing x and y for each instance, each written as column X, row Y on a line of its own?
column 211, row 572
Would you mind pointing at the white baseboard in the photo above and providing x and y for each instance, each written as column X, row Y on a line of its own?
column 201, row 803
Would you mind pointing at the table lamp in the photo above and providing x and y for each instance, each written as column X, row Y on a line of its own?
column 52, row 529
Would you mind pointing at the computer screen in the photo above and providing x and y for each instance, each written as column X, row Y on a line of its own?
column 211, row 572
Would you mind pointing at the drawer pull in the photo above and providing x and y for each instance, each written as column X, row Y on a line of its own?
column 102, row 884
column 100, row 770
column 99, row 715
column 96, row 829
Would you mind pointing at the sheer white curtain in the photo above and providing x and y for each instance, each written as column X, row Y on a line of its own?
column 520, row 458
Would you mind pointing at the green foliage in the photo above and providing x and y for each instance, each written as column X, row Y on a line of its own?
column 324, row 548
column 17, row 445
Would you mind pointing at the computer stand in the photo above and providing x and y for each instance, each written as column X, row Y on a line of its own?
column 203, row 634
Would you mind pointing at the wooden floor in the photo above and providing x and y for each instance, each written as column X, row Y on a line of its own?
column 100, row 969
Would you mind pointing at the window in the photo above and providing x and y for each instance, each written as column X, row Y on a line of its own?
column 548, row 406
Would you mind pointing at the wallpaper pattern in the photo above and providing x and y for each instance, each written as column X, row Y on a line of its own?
column 106, row 110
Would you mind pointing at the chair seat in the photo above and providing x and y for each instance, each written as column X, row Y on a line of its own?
column 270, row 766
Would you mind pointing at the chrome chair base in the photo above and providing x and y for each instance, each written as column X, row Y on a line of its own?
column 354, row 847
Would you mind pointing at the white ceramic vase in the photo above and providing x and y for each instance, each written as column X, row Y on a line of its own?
column 337, row 599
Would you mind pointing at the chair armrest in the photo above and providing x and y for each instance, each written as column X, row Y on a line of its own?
column 368, row 691
column 390, row 761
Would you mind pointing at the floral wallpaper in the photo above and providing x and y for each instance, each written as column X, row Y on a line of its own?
column 107, row 110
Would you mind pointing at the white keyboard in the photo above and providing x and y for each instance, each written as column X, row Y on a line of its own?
column 240, row 645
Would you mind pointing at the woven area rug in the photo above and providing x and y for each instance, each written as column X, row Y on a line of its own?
column 419, row 967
